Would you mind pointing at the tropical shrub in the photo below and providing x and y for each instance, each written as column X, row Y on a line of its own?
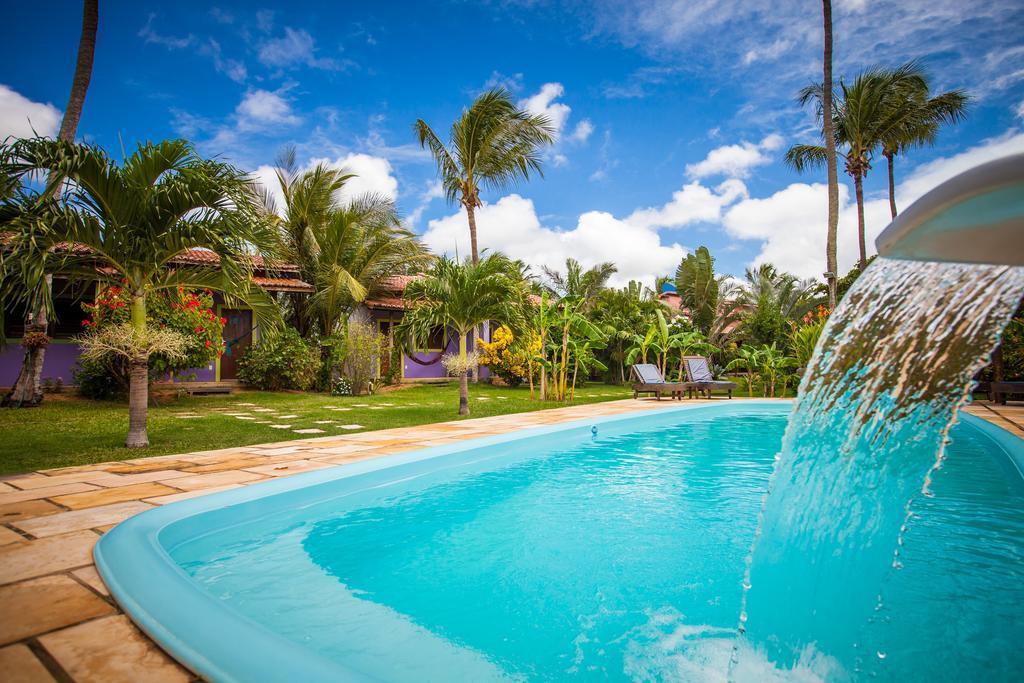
column 803, row 339
column 99, row 380
column 507, row 357
column 283, row 360
column 364, row 346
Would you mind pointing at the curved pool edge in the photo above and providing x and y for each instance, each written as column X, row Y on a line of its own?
column 184, row 620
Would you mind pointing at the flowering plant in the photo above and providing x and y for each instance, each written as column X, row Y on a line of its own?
column 508, row 357
column 816, row 315
column 188, row 313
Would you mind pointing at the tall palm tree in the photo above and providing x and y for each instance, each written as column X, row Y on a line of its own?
column 459, row 297
column 344, row 247
column 864, row 116
column 27, row 390
column 831, row 236
column 491, row 146
column 921, row 117
column 124, row 224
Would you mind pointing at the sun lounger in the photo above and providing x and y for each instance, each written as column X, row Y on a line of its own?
column 698, row 371
column 648, row 380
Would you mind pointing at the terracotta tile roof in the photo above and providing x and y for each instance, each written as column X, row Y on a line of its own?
column 282, row 284
column 397, row 283
column 201, row 257
column 391, row 303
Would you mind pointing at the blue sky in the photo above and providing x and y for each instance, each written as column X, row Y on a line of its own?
column 673, row 115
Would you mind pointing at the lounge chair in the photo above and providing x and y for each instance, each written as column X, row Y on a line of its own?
column 698, row 371
column 648, row 380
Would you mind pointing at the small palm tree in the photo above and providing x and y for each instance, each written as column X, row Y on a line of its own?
column 491, row 146
column 460, row 296
column 578, row 283
column 124, row 224
column 748, row 360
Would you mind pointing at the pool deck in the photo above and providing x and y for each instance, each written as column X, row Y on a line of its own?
column 57, row 619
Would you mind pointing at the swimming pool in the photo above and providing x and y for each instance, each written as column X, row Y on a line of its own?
column 553, row 553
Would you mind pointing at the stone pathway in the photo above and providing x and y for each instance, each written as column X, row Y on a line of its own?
column 57, row 619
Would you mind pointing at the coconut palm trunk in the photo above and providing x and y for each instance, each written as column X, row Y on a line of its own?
column 830, row 158
column 28, row 388
column 471, row 217
column 858, row 186
column 890, row 163
column 138, row 386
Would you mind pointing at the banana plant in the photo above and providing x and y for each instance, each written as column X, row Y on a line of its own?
column 772, row 361
column 747, row 360
column 690, row 343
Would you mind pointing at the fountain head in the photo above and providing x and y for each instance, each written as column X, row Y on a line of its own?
column 975, row 217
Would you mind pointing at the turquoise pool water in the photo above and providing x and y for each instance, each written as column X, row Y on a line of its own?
column 561, row 556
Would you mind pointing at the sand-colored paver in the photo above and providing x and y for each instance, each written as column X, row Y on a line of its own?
column 91, row 577
column 205, row 481
column 77, row 520
column 56, row 548
column 119, row 494
column 30, row 608
column 12, row 512
column 111, row 650
column 19, row 665
column 46, row 555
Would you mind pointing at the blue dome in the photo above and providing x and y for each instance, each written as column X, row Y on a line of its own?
column 668, row 288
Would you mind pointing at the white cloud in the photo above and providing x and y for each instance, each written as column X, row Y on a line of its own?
column 1020, row 110
column 735, row 161
column 373, row 175
column 260, row 108
column 582, row 131
column 791, row 223
column 20, row 117
column 693, row 203
column 767, row 52
column 512, row 227
column 543, row 103
column 150, row 35
column 435, row 190
column 294, row 48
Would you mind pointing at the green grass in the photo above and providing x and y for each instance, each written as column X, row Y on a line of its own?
column 67, row 430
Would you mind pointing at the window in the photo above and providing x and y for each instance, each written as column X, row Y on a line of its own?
column 435, row 341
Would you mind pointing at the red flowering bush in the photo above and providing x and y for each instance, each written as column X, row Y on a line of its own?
column 816, row 315
column 188, row 312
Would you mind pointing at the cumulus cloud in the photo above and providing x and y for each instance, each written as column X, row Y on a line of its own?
column 693, row 203
column 20, row 117
column 582, row 131
column 373, row 175
column 543, row 103
column 511, row 226
column 735, row 161
column 260, row 108
column 791, row 223
column 150, row 35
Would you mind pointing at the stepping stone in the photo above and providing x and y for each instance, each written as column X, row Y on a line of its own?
column 360, row 405
column 244, row 417
column 387, row 405
column 339, row 409
column 323, row 422
column 234, row 414
column 376, row 408
column 350, row 426
column 311, row 430
column 280, row 426
column 263, row 422
column 501, row 398
column 243, row 404
column 263, row 410
column 187, row 417
column 287, row 417
column 483, row 398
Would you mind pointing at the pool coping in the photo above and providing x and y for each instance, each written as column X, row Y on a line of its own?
column 61, row 513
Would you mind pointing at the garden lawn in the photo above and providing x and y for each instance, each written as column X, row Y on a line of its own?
column 67, row 430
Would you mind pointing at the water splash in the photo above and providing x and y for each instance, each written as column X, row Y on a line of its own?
column 896, row 362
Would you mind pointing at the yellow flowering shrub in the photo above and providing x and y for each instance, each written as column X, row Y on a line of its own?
column 507, row 357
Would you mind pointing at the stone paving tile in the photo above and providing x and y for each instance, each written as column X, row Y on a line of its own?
column 14, row 512
column 120, row 494
column 285, row 468
column 232, row 464
column 45, row 556
column 185, row 495
column 30, row 608
column 8, row 536
column 19, row 665
column 146, row 466
column 42, row 482
column 92, row 578
column 112, row 480
column 81, row 519
column 111, row 650
column 44, row 492
column 205, row 481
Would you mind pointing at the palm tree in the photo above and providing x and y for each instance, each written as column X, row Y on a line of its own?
column 491, row 146
column 831, row 267
column 699, row 288
column 768, row 299
column 921, row 116
column 27, row 390
column 584, row 285
column 863, row 118
column 344, row 248
column 124, row 224
column 748, row 359
column 460, row 296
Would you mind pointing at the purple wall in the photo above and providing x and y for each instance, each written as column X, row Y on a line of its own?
column 436, row 370
column 58, row 363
